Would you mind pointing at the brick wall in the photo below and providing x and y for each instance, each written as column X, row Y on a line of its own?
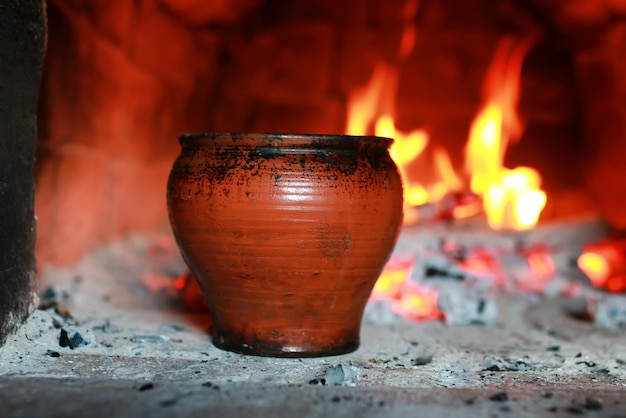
column 124, row 79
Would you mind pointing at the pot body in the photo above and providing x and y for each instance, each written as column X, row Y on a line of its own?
column 286, row 235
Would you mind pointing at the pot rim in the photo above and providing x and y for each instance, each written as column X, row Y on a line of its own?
column 279, row 139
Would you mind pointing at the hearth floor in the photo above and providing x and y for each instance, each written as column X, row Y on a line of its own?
column 150, row 355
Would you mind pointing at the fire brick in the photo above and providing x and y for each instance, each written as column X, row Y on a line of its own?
column 291, row 65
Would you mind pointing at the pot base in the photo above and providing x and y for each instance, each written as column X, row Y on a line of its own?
column 273, row 349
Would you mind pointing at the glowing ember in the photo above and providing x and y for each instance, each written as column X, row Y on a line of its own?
column 183, row 288
column 389, row 283
column 595, row 266
column 418, row 303
column 541, row 263
column 407, row 299
column 604, row 264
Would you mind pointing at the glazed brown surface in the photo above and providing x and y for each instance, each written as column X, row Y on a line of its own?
column 286, row 235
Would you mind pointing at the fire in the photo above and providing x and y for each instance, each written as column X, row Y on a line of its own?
column 512, row 198
column 405, row 149
column 364, row 104
column 483, row 152
column 372, row 107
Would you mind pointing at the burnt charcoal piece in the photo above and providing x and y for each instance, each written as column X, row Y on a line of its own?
column 321, row 381
column 74, row 338
column 211, row 385
column 146, row 386
column 440, row 273
column 422, row 360
column 78, row 340
column 574, row 410
column 499, row 397
column 22, row 41
column 64, row 340
column 593, row 404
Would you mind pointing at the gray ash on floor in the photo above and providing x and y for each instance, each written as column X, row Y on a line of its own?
column 131, row 330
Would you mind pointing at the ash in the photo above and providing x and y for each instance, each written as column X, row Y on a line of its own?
column 458, row 271
column 123, row 314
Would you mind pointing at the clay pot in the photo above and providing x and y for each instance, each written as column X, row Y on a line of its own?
column 286, row 235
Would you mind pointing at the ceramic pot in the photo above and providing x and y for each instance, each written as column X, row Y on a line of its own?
column 286, row 235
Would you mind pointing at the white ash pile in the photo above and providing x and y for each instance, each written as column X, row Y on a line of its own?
column 454, row 273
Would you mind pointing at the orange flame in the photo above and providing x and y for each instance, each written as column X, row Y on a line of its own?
column 405, row 149
column 512, row 199
column 365, row 104
column 446, row 171
column 373, row 107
